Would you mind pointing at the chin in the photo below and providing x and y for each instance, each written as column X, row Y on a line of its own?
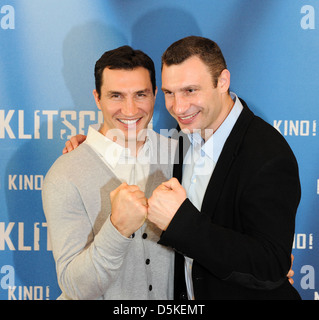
column 188, row 129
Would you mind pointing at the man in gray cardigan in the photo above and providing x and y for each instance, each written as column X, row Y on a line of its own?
column 95, row 198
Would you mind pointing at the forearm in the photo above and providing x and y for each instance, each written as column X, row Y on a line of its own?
column 89, row 273
column 86, row 263
column 223, row 251
column 252, row 236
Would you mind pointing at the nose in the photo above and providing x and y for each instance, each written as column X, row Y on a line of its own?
column 179, row 105
column 129, row 107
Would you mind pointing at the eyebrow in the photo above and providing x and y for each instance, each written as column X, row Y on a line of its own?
column 111, row 92
column 191, row 86
column 144, row 91
column 164, row 89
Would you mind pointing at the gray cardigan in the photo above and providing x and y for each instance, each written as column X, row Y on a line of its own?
column 93, row 260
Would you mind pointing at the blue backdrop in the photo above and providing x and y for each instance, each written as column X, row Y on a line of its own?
column 47, row 54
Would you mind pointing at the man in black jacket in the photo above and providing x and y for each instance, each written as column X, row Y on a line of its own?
column 230, row 210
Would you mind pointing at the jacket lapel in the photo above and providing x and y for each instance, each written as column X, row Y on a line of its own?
column 225, row 161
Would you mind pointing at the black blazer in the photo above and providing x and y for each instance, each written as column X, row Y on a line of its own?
column 241, row 240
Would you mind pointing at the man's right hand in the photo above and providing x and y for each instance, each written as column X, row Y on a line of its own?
column 73, row 143
column 129, row 208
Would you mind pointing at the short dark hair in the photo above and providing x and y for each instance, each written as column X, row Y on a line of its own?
column 125, row 58
column 207, row 50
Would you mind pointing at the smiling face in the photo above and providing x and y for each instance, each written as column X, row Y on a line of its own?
column 191, row 98
column 126, row 100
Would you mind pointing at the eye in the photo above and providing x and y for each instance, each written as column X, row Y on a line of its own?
column 143, row 94
column 115, row 95
column 168, row 93
column 190, row 90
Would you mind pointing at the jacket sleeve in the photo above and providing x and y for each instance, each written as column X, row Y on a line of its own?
column 258, row 255
column 86, row 263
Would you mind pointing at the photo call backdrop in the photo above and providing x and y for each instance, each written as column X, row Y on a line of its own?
column 48, row 50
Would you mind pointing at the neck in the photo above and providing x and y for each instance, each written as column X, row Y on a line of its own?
column 134, row 143
column 227, row 106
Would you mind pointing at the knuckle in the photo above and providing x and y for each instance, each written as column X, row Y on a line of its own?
column 74, row 141
column 150, row 201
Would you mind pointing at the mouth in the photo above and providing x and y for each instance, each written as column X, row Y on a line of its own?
column 129, row 122
column 189, row 118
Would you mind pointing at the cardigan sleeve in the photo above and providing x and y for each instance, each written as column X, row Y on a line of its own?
column 86, row 264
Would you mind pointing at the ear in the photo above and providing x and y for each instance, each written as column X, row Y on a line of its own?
column 224, row 81
column 97, row 98
column 155, row 93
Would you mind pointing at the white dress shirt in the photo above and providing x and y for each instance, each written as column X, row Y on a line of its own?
column 127, row 168
column 199, row 164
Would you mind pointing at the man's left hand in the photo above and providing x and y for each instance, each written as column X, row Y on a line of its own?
column 164, row 202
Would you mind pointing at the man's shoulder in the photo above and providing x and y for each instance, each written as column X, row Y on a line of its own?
column 265, row 132
column 257, row 129
column 70, row 164
column 262, row 141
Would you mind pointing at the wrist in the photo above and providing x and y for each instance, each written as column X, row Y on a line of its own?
column 124, row 231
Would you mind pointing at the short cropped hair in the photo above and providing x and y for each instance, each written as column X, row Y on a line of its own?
column 123, row 58
column 207, row 50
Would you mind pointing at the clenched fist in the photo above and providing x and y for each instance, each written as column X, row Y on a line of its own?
column 129, row 208
column 164, row 202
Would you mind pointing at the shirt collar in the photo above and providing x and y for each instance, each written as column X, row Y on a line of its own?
column 111, row 151
column 214, row 145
